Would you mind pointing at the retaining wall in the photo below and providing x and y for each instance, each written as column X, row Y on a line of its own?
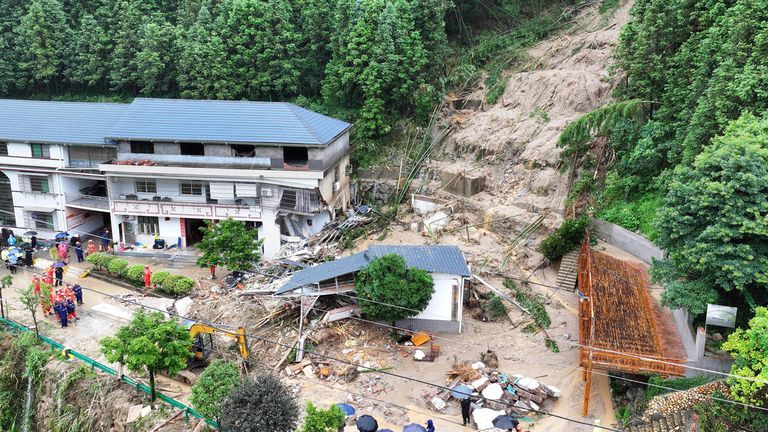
column 629, row 241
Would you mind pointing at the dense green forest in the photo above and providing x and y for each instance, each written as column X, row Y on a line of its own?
column 370, row 61
column 685, row 161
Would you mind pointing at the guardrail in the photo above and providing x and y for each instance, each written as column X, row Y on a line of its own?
column 188, row 411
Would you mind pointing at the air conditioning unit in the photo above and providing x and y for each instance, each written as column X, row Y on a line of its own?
column 348, row 169
column 336, row 187
column 266, row 192
column 128, row 217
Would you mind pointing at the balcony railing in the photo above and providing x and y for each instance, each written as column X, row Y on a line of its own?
column 87, row 201
column 185, row 209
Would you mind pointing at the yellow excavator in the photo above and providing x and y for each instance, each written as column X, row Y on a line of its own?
column 202, row 346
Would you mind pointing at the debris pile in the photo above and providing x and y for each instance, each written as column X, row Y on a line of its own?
column 494, row 390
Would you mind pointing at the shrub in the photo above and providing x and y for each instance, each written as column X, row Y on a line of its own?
column 323, row 420
column 264, row 404
column 117, row 266
column 214, row 384
column 159, row 277
column 495, row 308
column 100, row 259
column 565, row 238
column 135, row 273
column 176, row 285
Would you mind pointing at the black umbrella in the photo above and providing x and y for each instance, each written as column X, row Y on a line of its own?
column 366, row 423
column 30, row 233
column 505, row 422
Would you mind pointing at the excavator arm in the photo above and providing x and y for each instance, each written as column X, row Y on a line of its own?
column 238, row 335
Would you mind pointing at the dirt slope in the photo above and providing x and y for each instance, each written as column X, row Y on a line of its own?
column 514, row 141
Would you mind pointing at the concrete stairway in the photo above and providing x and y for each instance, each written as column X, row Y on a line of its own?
column 566, row 278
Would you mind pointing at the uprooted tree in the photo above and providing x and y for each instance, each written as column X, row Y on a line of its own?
column 150, row 343
column 388, row 290
column 229, row 243
column 264, row 404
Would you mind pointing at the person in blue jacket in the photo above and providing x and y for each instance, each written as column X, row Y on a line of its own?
column 430, row 426
column 61, row 309
column 78, row 290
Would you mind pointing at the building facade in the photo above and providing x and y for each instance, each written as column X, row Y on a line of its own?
column 159, row 168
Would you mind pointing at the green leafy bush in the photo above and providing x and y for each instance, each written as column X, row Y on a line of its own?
column 135, row 273
column 214, row 384
column 388, row 290
column 323, row 420
column 564, row 239
column 176, row 285
column 495, row 308
column 117, row 266
column 100, row 259
column 158, row 277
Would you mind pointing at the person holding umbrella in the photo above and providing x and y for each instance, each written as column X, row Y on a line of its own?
column 63, row 250
column 507, row 422
column 28, row 256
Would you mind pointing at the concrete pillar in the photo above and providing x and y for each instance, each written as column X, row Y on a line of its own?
column 271, row 231
column 701, row 340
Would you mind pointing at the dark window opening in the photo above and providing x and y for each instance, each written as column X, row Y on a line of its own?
column 41, row 151
column 191, row 189
column 192, row 149
column 3, row 148
column 240, row 150
column 296, row 156
column 144, row 147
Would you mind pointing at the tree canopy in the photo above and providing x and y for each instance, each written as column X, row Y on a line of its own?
column 263, row 404
column 213, row 385
column 388, row 290
column 323, row 420
column 230, row 244
column 148, row 344
column 713, row 224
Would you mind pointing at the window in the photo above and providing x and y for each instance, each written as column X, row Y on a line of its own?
column 3, row 148
column 146, row 186
column 295, row 156
column 41, row 151
column 41, row 220
column 145, row 147
column 192, row 149
column 241, row 150
column 38, row 184
column 149, row 225
column 191, row 189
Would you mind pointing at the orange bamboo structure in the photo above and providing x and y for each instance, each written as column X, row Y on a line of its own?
column 621, row 328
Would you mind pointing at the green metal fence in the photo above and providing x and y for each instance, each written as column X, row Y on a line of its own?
column 188, row 411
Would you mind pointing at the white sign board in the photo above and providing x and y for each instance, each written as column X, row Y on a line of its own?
column 723, row 316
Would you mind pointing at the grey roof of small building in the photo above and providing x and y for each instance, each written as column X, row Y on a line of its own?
column 434, row 259
column 81, row 123
column 185, row 120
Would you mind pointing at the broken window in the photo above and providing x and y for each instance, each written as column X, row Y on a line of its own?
column 143, row 147
column 192, row 149
column 241, row 150
column 296, row 156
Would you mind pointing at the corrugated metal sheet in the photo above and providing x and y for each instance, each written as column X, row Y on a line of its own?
column 434, row 259
column 248, row 122
column 81, row 123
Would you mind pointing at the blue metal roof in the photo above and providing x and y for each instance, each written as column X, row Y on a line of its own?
column 434, row 259
column 82, row 123
column 185, row 120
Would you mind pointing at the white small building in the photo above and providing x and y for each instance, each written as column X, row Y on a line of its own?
column 445, row 263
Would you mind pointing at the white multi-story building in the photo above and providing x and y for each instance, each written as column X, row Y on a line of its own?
column 161, row 167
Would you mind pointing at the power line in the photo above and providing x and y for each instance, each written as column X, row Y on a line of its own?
column 392, row 374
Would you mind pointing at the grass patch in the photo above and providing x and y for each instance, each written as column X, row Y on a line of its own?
column 636, row 215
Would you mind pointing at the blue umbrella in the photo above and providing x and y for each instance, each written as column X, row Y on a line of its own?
column 58, row 264
column 366, row 423
column 347, row 408
column 14, row 251
column 385, row 430
column 62, row 235
column 461, row 392
column 413, row 427
column 505, row 422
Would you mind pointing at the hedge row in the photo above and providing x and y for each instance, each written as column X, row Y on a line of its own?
column 165, row 282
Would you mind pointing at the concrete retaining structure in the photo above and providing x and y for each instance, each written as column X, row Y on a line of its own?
column 629, row 241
